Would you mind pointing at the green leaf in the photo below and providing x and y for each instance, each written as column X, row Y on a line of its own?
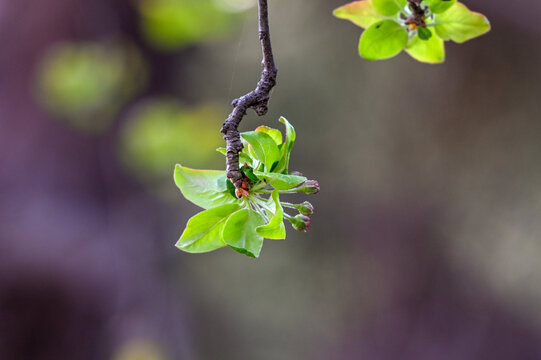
column 243, row 158
column 263, row 146
column 275, row 229
column 388, row 7
column 231, row 188
column 249, row 172
column 276, row 135
column 431, row 51
column 249, row 151
column 281, row 181
column 424, row 33
column 287, row 147
column 203, row 232
column 383, row 40
column 439, row 6
column 240, row 232
column 361, row 13
column 460, row 24
column 204, row 188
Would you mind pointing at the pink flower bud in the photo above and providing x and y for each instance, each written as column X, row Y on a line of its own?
column 309, row 187
column 305, row 208
column 300, row 222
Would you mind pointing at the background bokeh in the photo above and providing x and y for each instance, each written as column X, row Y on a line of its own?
column 425, row 244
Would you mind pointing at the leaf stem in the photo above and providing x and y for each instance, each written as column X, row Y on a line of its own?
column 288, row 217
column 260, row 186
column 264, row 191
column 288, row 205
column 259, row 209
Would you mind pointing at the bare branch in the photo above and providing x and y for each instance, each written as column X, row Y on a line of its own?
column 257, row 99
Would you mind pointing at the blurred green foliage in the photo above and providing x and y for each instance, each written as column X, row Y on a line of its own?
column 172, row 24
column 160, row 133
column 86, row 84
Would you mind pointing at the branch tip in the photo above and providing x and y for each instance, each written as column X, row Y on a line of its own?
column 257, row 99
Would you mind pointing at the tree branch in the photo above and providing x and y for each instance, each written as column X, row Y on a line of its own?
column 257, row 99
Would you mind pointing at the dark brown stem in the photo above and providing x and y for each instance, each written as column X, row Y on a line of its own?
column 418, row 13
column 257, row 99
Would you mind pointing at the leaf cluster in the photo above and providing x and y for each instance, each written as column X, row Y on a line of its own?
column 392, row 26
column 243, row 218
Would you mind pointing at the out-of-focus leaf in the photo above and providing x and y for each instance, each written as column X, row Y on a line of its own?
column 361, row 13
column 85, row 84
column 389, row 7
column 460, row 24
column 430, row 51
column 159, row 133
column 172, row 24
column 204, row 188
column 439, row 6
column 383, row 40
column 203, row 232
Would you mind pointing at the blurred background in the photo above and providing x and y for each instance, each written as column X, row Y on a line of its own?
column 425, row 243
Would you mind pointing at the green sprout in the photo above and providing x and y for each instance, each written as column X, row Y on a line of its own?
column 242, row 218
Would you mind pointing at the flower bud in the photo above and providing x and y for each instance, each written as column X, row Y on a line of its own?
column 300, row 222
column 305, row 208
column 297, row 173
column 308, row 187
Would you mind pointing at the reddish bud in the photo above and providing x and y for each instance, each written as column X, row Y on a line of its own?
column 305, row 208
column 309, row 187
column 300, row 222
column 241, row 192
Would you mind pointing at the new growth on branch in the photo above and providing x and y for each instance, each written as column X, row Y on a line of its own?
column 242, row 205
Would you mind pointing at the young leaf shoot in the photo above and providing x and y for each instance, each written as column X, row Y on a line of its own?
column 418, row 27
column 243, row 218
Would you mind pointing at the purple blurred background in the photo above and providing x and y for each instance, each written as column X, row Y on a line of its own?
column 426, row 239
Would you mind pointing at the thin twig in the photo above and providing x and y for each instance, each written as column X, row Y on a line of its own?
column 257, row 99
